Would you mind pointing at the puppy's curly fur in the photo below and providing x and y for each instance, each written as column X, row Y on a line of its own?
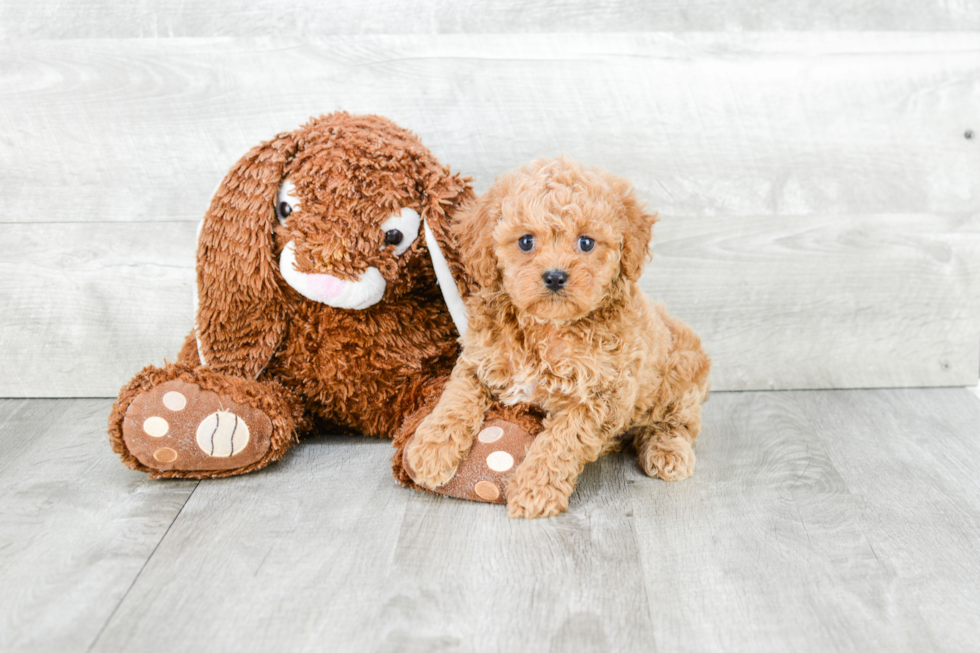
column 558, row 321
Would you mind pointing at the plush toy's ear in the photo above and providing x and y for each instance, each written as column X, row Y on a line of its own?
column 473, row 230
column 241, row 315
column 638, row 232
column 444, row 195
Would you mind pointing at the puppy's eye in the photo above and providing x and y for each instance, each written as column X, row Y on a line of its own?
column 585, row 243
column 285, row 209
column 393, row 237
column 526, row 242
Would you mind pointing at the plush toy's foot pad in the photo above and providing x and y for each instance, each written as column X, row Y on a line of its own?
column 179, row 426
column 482, row 476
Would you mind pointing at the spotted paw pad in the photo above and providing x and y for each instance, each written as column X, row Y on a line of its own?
column 179, row 426
column 482, row 476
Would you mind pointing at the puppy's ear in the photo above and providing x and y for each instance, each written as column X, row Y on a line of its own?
column 638, row 231
column 473, row 230
column 241, row 314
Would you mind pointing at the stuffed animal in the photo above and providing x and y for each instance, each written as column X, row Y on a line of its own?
column 325, row 297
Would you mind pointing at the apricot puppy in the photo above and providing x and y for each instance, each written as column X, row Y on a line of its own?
column 560, row 322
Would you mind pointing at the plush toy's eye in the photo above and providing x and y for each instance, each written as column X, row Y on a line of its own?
column 286, row 201
column 585, row 243
column 526, row 242
column 401, row 230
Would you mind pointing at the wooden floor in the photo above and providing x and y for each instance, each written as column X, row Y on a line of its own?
column 816, row 521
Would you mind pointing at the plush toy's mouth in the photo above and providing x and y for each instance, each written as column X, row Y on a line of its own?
column 357, row 295
column 370, row 288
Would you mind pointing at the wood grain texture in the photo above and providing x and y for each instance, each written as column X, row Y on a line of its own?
column 838, row 301
column 826, row 301
column 704, row 124
column 87, row 305
column 306, row 18
column 819, row 521
column 819, row 202
column 815, row 521
column 325, row 548
column 915, row 480
column 76, row 527
column 272, row 546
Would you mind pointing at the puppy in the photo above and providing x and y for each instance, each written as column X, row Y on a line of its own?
column 559, row 322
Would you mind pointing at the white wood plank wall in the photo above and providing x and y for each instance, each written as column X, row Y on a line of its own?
column 820, row 202
column 306, row 18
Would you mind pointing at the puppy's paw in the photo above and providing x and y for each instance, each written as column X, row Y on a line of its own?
column 432, row 458
column 671, row 460
column 529, row 498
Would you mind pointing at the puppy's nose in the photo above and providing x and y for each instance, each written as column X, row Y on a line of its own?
column 555, row 279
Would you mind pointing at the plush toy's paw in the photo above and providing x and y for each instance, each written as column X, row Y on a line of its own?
column 433, row 461
column 671, row 459
column 528, row 497
column 482, row 476
column 177, row 426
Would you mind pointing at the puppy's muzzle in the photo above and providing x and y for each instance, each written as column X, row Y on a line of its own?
column 555, row 279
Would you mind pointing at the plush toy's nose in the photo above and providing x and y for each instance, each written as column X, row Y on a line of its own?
column 555, row 279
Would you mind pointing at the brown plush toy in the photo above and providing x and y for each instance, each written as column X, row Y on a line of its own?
column 325, row 289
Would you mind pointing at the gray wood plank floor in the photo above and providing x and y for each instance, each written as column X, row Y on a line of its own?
column 816, row 521
column 76, row 527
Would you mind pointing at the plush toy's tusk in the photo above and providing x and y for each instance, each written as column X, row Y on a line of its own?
column 450, row 292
